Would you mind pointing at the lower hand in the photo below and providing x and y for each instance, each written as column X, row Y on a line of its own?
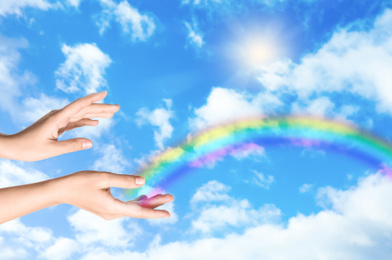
column 90, row 190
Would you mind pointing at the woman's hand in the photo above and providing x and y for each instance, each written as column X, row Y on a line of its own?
column 40, row 140
column 89, row 190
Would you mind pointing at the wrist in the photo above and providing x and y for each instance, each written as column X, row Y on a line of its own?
column 55, row 191
column 6, row 146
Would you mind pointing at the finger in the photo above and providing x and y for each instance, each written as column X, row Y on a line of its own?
column 96, row 109
column 81, row 123
column 71, row 145
column 141, row 197
column 122, row 181
column 133, row 210
column 155, row 201
column 76, row 106
column 102, row 115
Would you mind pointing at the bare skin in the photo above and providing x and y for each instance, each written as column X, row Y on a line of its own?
column 88, row 190
column 40, row 140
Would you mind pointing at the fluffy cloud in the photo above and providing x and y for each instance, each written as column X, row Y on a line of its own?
column 263, row 181
column 13, row 84
column 139, row 26
column 354, row 62
column 92, row 132
column 83, row 69
column 12, row 174
column 211, row 191
column 35, row 108
column 356, row 225
column 164, row 221
column 224, row 105
column 305, row 188
column 21, row 239
column 93, row 230
column 194, row 37
column 229, row 213
column 112, row 160
column 62, row 248
column 10, row 78
column 10, row 7
column 159, row 118
column 74, row 3
column 233, row 6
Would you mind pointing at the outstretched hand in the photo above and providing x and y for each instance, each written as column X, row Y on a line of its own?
column 90, row 190
column 40, row 140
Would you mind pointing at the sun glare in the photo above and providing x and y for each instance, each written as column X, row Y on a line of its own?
column 255, row 47
column 257, row 51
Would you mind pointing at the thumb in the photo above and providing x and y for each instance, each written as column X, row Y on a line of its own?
column 72, row 145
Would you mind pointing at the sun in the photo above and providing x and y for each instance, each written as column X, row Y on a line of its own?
column 257, row 51
column 252, row 48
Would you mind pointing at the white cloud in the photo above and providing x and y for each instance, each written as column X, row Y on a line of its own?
column 236, row 213
column 246, row 150
column 229, row 212
column 354, row 62
column 10, row 7
column 74, row 3
column 139, row 26
column 12, row 174
column 22, row 240
column 305, row 188
column 358, row 225
column 262, row 181
column 83, row 69
column 225, row 105
column 63, row 248
column 159, row 118
column 321, row 106
column 112, row 160
column 164, row 221
column 93, row 230
column 194, row 37
column 211, row 191
column 11, row 79
column 104, row 126
column 35, row 108
column 13, row 84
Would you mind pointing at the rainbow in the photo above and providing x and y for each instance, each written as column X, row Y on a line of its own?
column 240, row 138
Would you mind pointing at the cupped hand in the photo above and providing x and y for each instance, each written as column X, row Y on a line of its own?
column 90, row 190
column 40, row 140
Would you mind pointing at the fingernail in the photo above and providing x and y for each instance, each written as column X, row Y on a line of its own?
column 86, row 145
column 139, row 180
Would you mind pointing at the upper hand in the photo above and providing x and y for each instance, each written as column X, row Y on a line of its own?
column 40, row 140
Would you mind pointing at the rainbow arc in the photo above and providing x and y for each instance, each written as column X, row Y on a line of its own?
column 254, row 134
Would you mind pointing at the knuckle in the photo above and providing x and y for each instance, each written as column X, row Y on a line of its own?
column 128, row 180
column 74, row 146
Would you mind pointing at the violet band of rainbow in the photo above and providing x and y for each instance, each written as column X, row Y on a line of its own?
column 254, row 133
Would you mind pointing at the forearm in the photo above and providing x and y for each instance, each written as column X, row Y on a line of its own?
column 21, row 200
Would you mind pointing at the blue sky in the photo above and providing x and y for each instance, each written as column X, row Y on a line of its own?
column 177, row 67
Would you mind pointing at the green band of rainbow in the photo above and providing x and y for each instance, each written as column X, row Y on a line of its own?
column 255, row 132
